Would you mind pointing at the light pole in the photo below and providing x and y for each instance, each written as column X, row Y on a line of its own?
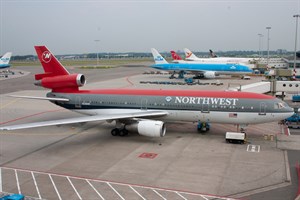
column 97, row 52
column 259, row 45
column 295, row 56
column 268, row 28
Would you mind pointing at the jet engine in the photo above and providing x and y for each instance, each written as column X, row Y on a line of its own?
column 62, row 81
column 209, row 74
column 148, row 128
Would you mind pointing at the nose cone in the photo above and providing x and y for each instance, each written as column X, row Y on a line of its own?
column 248, row 69
column 288, row 111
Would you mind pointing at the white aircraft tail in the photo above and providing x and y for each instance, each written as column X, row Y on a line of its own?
column 189, row 55
column 5, row 58
column 157, row 57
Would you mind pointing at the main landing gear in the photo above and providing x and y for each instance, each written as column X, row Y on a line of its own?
column 119, row 132
column 180, row 75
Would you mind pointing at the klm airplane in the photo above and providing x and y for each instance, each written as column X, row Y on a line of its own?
column 206, row 70
column 4, row 61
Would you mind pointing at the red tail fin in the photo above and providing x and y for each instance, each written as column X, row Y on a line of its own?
column 51, row 65
column 175, row 56
column 56, row 77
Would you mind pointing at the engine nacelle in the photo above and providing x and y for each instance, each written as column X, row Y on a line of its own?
column 148, row 128
column 209, row 74
column 62, row 81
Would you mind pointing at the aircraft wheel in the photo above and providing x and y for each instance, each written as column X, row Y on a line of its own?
column 123, row 132
column 115, row 132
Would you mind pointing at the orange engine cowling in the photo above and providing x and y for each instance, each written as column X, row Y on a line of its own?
column 62, row 81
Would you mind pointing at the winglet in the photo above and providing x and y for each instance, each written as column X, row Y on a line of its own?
column 157, row 57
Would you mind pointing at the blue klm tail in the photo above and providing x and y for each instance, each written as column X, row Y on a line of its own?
column 4, row 61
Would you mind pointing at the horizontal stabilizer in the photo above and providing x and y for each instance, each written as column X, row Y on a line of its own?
column 41, row 98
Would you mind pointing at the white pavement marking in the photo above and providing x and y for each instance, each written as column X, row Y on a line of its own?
column 18, row 184
column 1, row 180
column 159, row 194
column 95, row 189
column 114, row 190
column 181, row 195
column 253, row 148
column 137, row 192
column 74, row 188
column 37, row 189
column 204, row 197
column 59, row 197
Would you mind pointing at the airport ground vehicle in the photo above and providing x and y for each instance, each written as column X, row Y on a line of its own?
column 293, row 121
column 235, row 137
column 13, row 197
column 296, row 98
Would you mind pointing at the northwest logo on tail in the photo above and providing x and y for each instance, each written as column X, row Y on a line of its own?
column 46, row 56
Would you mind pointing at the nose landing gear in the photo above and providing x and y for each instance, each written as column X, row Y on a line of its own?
column 203, row 127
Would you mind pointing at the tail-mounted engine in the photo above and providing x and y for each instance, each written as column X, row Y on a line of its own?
column 70, row 81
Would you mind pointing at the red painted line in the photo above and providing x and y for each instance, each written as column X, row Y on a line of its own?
column 298, row 172
column 115, row 182
column 127, row 79
column 24, row 117
column 286, row 130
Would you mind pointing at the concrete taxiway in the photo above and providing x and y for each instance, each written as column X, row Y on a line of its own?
column 82, row 161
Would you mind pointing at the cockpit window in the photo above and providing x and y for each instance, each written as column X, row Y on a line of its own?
column 279, row 105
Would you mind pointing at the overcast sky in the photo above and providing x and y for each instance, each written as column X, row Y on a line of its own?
column 137, row 25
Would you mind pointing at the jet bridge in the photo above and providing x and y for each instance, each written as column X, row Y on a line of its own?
column 267, row 86
column 258, row 87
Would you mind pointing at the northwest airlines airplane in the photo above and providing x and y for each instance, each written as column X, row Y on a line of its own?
column 146, row 111
column 205, row 69
column 4, row 61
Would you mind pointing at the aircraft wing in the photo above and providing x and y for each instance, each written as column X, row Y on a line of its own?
column 86, row 119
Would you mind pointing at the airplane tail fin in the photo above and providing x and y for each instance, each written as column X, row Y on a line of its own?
column 189, row 55
column 212, row 54
column 175, row 56
column 5, row 58
column 157, row 57
column 56, row 77
column 51, row 65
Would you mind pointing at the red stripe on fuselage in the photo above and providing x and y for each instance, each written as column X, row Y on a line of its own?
column 191, row 93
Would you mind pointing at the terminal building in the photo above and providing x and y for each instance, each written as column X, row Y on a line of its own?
column 281, row 63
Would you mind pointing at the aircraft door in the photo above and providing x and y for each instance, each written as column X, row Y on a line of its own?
column 205, row 108
column 262, row 108
column 77, row 102
column 144, row 104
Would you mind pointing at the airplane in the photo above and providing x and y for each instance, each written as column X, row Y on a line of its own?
column 190, row 56
column 204, row 69
column 147, row 111
column 4, row 60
